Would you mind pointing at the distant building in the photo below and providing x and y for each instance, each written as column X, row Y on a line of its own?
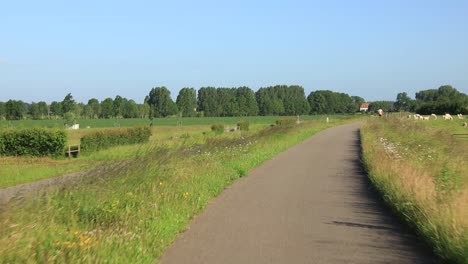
column 364, row 107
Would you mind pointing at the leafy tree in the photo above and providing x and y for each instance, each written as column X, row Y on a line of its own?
column 282, row 100
column 15, row 110
column 247, row 104
column 143, row 110
column 87, row 111
column 56, row 108
column 130, row 109
column 403, row 102
column 386, row 106
column 208, row 101
column 79, row 110
column 118, row 105
column 95, row 108
column 107, row 108
column 226, row 102
column 445, row 99
column 69, row 118
column 329, row 102
column 318, row 103
column 68, row 104
column 43, row 109
column 161, row 103
column 2, row 111
column 38, row 110
column 33, row 110
column 187, row 102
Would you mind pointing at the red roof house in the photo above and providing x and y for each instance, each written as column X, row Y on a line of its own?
column 364, row 107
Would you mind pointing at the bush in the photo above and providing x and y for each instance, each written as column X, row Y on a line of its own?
column 286, row 122
column 218, row 128
column 32, row 142
column 243, row 125
column 114, row 137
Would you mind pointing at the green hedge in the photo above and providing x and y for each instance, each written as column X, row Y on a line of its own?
column 114, row 137
column 218, row 128
column 243, row 125
column 32, row 142
column 286, row 122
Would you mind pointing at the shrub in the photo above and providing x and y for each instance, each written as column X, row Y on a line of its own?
column 243, row 125
column 218, row 128
column 286, row 122
column 32, row 142
column 114, row 137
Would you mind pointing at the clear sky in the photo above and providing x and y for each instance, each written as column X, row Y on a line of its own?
column 100, row 49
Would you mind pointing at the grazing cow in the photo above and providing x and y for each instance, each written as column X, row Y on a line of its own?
column 460, row 116
column 434, row 116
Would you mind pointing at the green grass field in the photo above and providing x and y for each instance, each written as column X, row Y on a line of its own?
column 169, row 121
column 420, row 168
column 132, row 214
column 20, row 170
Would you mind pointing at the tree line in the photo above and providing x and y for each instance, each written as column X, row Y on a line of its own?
column 119, row 107
column 280, row 100
column 445, row 99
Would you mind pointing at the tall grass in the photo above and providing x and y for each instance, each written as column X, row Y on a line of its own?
column 131, row 214
column 421, row 171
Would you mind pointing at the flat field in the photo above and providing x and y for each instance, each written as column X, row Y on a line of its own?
column 169, row 121
column 167, row 132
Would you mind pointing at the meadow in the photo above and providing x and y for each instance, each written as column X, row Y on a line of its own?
column 133, row 212
column 165, row 131
column 168, row 121
column 420, row 168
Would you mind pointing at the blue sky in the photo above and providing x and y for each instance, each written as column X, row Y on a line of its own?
column 100, row 49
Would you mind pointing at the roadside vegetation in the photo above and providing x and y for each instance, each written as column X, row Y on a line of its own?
column 19, row 169
column 420, row 168
column 132, row 213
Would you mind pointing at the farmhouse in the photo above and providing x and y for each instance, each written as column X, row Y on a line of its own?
column 364, row 107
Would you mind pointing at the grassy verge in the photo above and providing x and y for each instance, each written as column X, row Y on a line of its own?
column 132, row 216
column 421, row 171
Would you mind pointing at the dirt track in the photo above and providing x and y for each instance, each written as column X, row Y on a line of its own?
column 310, row 204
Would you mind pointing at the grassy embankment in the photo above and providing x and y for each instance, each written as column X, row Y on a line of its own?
column 133, row 215
column 18, row 170
column 421, row 169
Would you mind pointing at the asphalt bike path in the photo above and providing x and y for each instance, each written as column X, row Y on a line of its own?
column 310, row 204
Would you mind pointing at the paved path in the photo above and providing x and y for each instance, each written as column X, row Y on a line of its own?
column 310, row 204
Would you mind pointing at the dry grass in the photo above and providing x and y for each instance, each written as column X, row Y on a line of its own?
column 421, row 172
